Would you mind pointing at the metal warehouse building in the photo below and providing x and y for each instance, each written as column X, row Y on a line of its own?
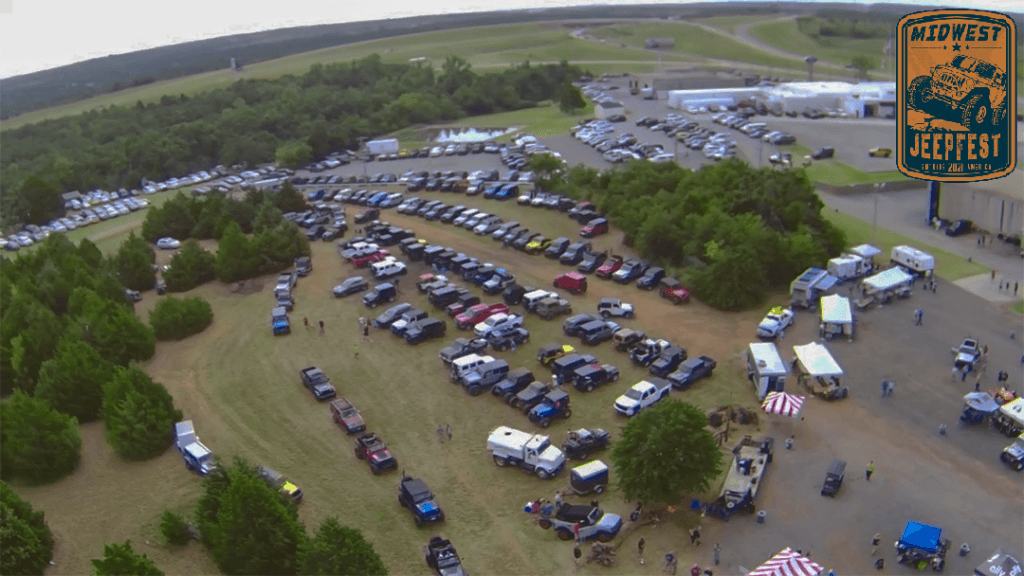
column 856, row 100
column 995, row 206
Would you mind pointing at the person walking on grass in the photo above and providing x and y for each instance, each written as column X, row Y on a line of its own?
column 355, row 349
column 892, row 386
column 885, row 388
column 640, row 549
column 918, row 316
column 448, row 431
column 321, row 327
column 576, row 555
column 440, row 433
column 870, row 470
column 366, row 333
column 718, row 551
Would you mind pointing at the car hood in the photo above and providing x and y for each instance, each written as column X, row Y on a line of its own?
column 553, row 457
column 768, row 325
column 381, row 456
column 626, row 403
column 1016, row 450
column 289, row 488
column 353, row 421
column 611, row 523
column 966, row 357
column 428, row 508
column 323, row 388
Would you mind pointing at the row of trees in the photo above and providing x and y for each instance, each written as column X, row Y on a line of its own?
column 329, row 108
column 274, row 245
column 251, row 528
column 736, row 231
column 843, row 28
column 68, row 338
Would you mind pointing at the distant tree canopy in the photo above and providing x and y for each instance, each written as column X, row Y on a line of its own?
column 739, row 231
column 122, row 560
column 293, row 118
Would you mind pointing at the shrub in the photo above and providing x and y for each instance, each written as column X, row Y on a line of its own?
column 190, row 267
column 37, row 442
column 27, row 540
column 174, row 529
column 174, row 318
column 139, row 414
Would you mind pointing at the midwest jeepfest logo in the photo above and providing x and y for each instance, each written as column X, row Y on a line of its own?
column 957, row 104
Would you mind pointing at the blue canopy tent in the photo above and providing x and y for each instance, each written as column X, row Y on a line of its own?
column 922, row 545
column 922, row 537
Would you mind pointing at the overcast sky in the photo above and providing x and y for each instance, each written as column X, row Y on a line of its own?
column 40, row 34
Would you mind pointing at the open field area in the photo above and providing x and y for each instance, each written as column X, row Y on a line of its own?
column 239, row 385
column 783, row 34
column 729, row 23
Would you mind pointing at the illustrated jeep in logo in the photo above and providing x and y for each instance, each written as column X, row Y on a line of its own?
column 973, row 91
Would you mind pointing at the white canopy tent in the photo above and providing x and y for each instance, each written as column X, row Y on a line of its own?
column 836, row 317
column 815, row 360
column 865, row 251
column 888, row 280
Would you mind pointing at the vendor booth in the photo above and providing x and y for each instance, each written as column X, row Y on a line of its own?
column 819, row 372
column 887, row 284
column 788, row 562
column 836, row 317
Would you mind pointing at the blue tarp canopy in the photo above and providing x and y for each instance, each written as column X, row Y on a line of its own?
column 922, row 537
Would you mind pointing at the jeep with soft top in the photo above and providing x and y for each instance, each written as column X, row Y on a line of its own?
column 317, row 382
column 371, row 448
column 415, row 495
column 347, row 416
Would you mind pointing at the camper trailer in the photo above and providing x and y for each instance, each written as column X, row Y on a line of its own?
column 765, row 369
column 805, row 291
column 913, row 260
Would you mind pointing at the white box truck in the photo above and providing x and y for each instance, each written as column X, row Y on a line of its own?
column 198, row 458
column 913, row 260
column 388, row 146
column 531, row 452
column 765, row 369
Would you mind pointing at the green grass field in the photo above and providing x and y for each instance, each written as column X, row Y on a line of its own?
column 238, row 384
column 729, row 23
column 784, row 35
column 947, row 265
column 1018, row 308
column 832, row 171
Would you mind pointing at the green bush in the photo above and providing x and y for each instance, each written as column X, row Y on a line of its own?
column 190, row 267
column 139, row 414
column 174, row 318
column 37, row 443
column 121, row 560
column 175, row 529
column 27, row 540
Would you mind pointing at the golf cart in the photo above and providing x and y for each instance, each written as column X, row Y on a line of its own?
column 977, row 407
column 589, row 477
column 922, row 545
column 1010, row 420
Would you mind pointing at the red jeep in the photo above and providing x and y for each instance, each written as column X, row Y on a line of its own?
column 347, row 416
column 478, row 314
column 609, row 267
column 672, row 289
column 595, row 227
column 574, row 282
column 371, row 448
column 363, row 261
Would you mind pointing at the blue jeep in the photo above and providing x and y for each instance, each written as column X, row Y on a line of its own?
column 414, row 494
column 279, row 321
column 554, row 404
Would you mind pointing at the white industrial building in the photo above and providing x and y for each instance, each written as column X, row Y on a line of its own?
column 863, row 99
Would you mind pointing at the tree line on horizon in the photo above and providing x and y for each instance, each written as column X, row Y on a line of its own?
column 331, row 107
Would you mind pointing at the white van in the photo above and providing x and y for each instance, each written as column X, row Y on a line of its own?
column 467, row 364
column 387, row 268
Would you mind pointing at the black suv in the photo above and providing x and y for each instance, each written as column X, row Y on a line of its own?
column 651, row 278
column 424, row 329
column 591, row 262
column 557, row 247
column 595, row 332
column 513, row 383
column 380, row 294
column 667, row 362
column 574, row 253
column 571, row 325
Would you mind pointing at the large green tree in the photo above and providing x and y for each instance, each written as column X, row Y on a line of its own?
column 293, row 154
column 138, row 413
column 190, row 267
column 235, row 258
column 664, row 452
column 29, row 332
column 39, row 199
column 37, row 443
column 248, row 527
column 134, row 263
column 570, row 98
column 340, row 550
column 72, row 381
column 27, row 543
column 111, row 328
column 122, row 560
column 549, row 169
column 278, row 247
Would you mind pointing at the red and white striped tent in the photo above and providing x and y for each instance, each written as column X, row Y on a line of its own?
column 788, row 563
column 782, row 403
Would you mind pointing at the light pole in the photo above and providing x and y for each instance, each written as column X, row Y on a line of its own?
column 874, row 219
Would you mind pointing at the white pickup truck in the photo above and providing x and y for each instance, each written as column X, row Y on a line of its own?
column 498, row 324
column 642, row 395
column 775, row 323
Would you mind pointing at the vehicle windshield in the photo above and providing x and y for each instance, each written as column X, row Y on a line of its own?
column 543, row 446
column 633, row 394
